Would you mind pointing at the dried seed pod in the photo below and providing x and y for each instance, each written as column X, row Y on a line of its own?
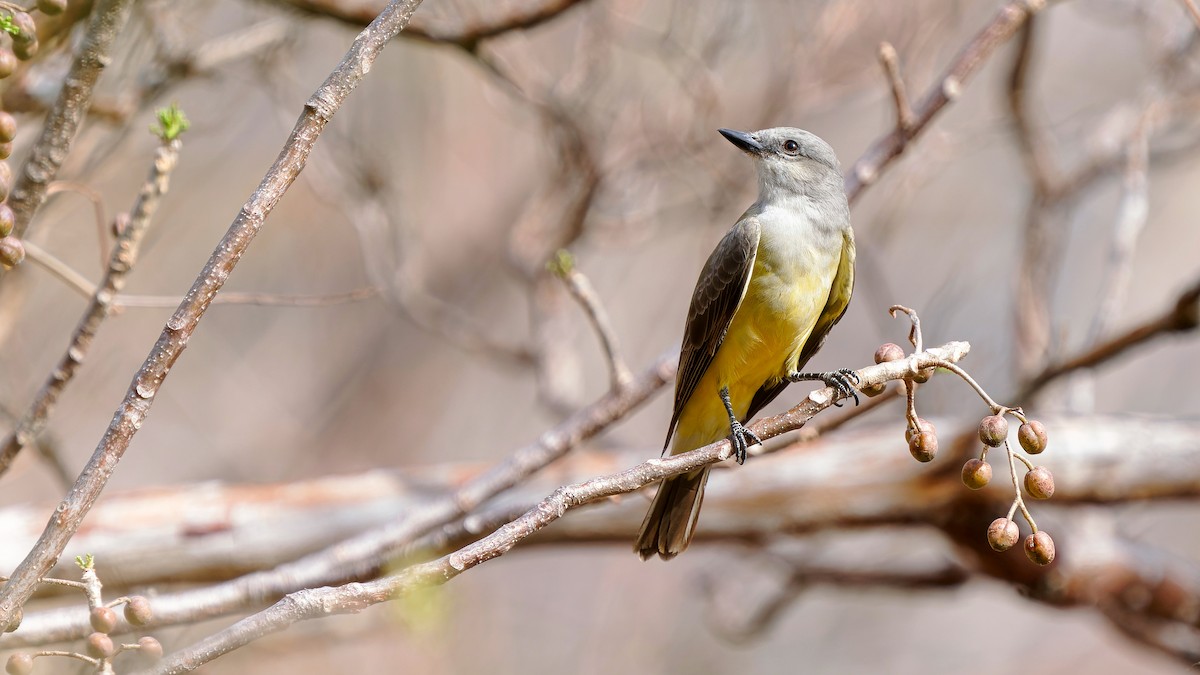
column 922, row 425
column 7, row 220
column 20, row 663
column 103, row 619
column 8, row 127
column 1003, row 534
column 1032, row 436
column 1039, row 548
column 100, row 646
column 923, row 446
column 976, row 473
column 138, row 611
column 923, row 376
column 150, row 647
column 51, row 7
column 8, row 63
column 888, row 352
column 1039, row 483
column 993, row 430
column 12, row 252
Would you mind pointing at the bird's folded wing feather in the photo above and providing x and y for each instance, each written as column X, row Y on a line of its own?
column 718, row 294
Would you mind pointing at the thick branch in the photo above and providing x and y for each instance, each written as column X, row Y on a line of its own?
column 171, row 343
column 313, row 603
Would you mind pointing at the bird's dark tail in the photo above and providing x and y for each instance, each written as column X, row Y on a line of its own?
column 671, row 520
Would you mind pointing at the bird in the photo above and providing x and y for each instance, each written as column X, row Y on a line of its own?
column 766, row 299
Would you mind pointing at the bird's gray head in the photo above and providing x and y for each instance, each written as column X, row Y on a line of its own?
column 790, row 161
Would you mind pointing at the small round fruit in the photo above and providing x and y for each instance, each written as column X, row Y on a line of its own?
column 8, row 63
column 7, row 220
column 51, row 7
column 27, row 28
column 150, row 647
column 976, row 473
column 993, row 430
column 923, row 376
column 1003, row 534
column 888, row 352
column 137, row 611
column 1039, row 548
column 100, row 646
column 25, row 50
column 1032, row 436
column 12, row 252
column 20, row 663
column 1039, row 483
column 103, row 619
column 923, row 446
column 8, row 127
column 922, row 425
column 6, row 150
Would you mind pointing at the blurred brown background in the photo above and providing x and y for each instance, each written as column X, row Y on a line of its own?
column 438, row 181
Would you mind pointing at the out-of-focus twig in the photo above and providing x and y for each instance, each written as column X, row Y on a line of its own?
column 51, row 149
column 563, row 266
column 948, row 88
column 124, row 257
column 130, row 415
column 97, row 202
column 1182, row 316
column 64, row 272
column 891, row 67
column 256, row 298
column 467, row 35
column 1193, row 10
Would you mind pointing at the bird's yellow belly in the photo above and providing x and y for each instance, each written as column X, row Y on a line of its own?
column 762, row 346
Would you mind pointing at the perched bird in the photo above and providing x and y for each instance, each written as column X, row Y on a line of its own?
column 763, row 306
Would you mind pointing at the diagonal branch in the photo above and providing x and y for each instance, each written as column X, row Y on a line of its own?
column 315, row 603
column 179, row 328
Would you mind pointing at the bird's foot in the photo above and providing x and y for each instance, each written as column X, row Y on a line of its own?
column 843, row 381
column 742, row 439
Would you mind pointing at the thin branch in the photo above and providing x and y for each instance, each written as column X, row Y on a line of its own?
column 1182, row 316
column 64, row 272
column 467, row 36
column 314, row 603
column 173, row 340
column 64, row 119
column 1193, row 10
column 884, row 151
column 256, row 298
column 891, row 68
column 124, row 257
column 585, row 294
column 97, row 202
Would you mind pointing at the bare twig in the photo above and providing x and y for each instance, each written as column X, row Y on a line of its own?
column 563, row 266
column 891, row 67
column 466, row 36
column 124, row 256
column 969, row 60
column 64, row 272
column 97, row 202
column 171, row 343
column 256, row 298
column 1182, row 316
column 50, row 150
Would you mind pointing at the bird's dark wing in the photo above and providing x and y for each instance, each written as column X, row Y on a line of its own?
column 719, row 292
column 835, row 307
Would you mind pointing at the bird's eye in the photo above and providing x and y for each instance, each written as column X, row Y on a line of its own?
column 791, row 147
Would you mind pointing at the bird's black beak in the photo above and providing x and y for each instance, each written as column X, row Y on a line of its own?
column 743, row 140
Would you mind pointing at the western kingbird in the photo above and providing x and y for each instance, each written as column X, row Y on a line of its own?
column 763, row 306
